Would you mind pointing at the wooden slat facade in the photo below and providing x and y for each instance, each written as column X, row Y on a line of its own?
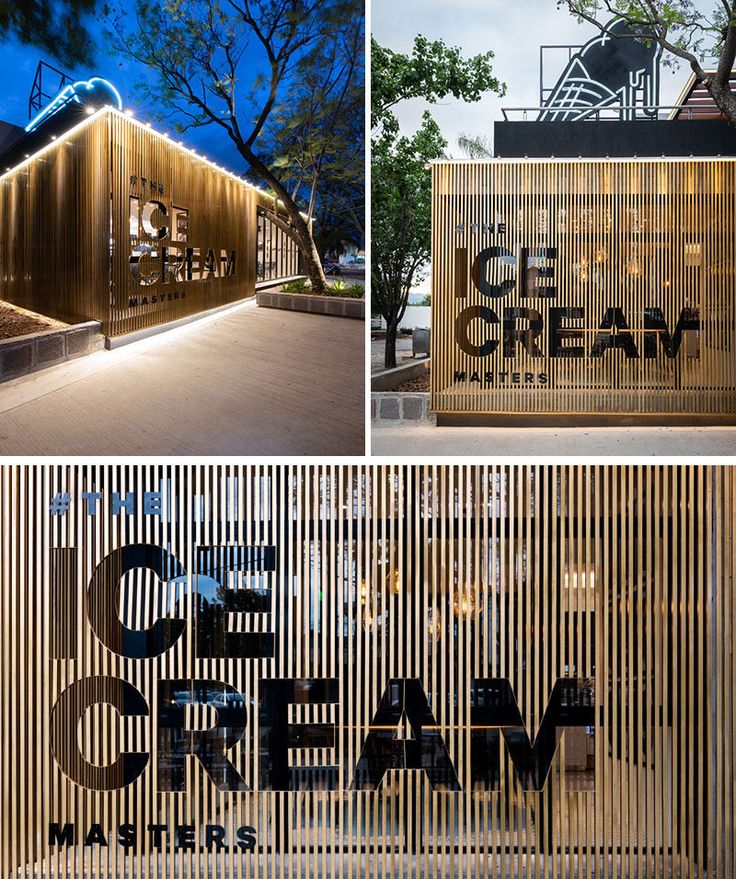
column 55, row 228
column 695, row 101
column 619, row 576
column 66, row 234
column 626, row 234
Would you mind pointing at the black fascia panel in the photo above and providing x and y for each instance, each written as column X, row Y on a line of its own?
column 613, row 139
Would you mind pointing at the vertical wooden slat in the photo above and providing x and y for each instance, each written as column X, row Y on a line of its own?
column 633, row 234
column 441, row 574
column 66, row 238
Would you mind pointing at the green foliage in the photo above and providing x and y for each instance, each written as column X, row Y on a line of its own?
column 432, row 72
column 315, row 135
column 401, row 182
column 337, row 288
column 56, row 27
column 298, row 285
column 401, row 217
column 349, row 291
column 681, row 27
column 475, row 146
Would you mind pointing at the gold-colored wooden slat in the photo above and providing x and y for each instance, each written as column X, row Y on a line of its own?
column 66, row 236
column 532, row 573
column 632, row 234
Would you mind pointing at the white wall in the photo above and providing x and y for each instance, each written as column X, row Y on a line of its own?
column 416, row 316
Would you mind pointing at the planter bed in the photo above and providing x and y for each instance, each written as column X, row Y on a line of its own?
column 337, row 306
column 15, row 321
column 33, row 351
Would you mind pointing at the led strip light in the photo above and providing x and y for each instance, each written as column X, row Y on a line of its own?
column 57, row 139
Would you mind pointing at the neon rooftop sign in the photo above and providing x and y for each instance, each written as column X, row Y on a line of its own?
column 89, row 91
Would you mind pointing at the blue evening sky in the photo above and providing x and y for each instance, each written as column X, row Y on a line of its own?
column 18, row 66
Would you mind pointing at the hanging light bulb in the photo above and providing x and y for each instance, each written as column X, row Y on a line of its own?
column 367, row 618
column 434, row 624
column 584, row 269
column 464, row 603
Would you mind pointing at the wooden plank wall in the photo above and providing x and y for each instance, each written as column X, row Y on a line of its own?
column 620, row 574
column 65, row 236
column 631, row 234
column 221, row 215
column 55, row 228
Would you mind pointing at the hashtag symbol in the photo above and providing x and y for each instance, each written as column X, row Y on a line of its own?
column 60, row 503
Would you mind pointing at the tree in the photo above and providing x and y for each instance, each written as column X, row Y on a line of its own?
column 681, row 30
column 56, row 27
column 475, row 146
column 400, row 221
column 316, row 136
column 401, row 194
column 201, row 52
column 432, row 72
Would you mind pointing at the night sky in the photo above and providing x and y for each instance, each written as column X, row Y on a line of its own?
column 18, row 67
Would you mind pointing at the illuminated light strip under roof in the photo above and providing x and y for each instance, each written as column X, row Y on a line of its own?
column 61, row 138
column 578, row 160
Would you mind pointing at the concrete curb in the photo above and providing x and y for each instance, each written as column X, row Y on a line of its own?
column 392, row 410
column 335, row 306
column 24, row 354
column 391, row 378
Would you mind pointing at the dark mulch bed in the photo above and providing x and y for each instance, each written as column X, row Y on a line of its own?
column 16, row 321
column 415, row 385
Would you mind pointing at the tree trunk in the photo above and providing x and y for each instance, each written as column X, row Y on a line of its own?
column 301, row 232
column 313, row 265
column 389, row 357
column 720, row 85
column 724, row 99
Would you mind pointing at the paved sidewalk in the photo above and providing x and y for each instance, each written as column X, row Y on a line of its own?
column 495, row 442
column 378, row 351
column 249, row 381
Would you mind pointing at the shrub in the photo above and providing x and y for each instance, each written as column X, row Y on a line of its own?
column 300, row 285
column 338, row 288
column 351, row 291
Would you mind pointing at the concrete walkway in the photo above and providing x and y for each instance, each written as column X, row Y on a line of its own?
column 248, row 381
column 495, row 442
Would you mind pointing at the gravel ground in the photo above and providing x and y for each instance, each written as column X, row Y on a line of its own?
column 16, row 321
column 415, row 385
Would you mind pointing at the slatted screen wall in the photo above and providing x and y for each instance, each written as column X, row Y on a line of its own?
column 618, row 576
column 221, row 215
column 55, row 228
column 66, row 235
column 627, row 234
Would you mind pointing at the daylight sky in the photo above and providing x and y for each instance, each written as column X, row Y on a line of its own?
column 512, row 29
